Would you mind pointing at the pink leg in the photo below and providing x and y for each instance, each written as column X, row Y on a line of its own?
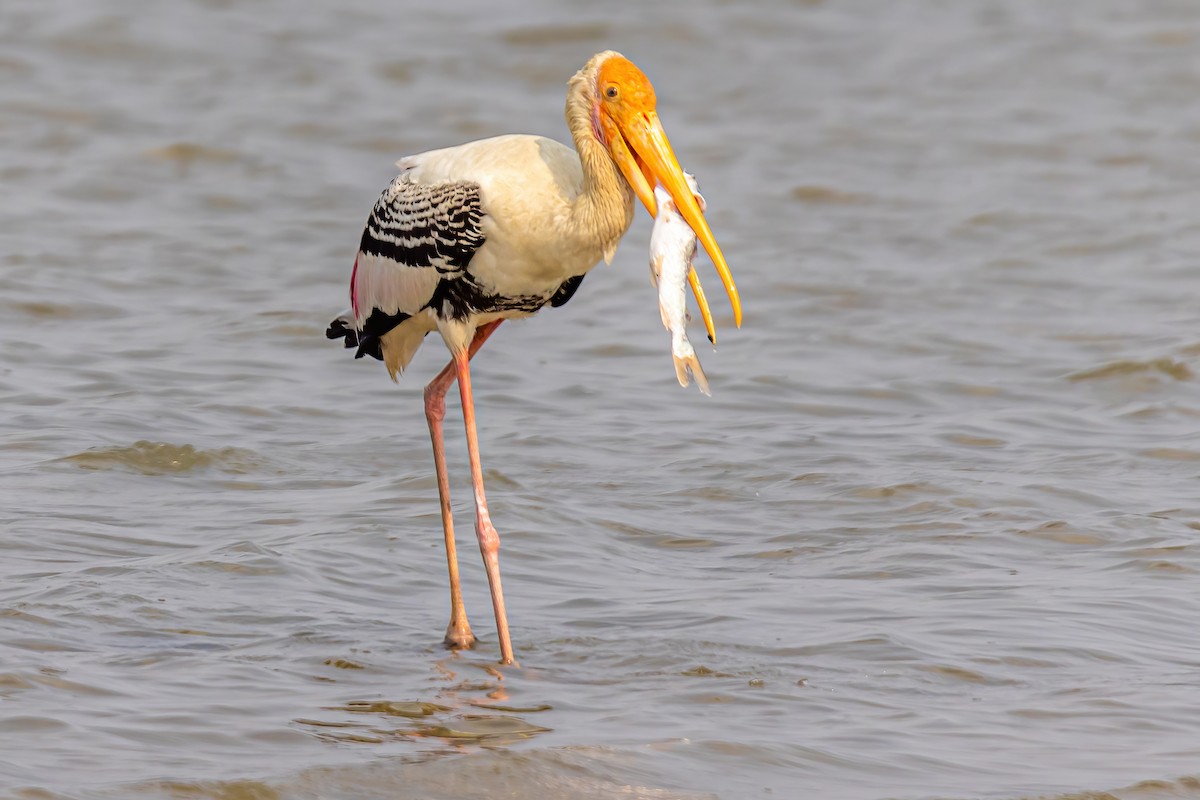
column 458, row 632
column 489, row 541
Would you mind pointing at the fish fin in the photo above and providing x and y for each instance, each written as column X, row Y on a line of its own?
column 682, row 372
column 701, row 378
column 687, row 367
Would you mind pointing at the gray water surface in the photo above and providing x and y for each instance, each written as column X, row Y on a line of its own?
column 934, row 535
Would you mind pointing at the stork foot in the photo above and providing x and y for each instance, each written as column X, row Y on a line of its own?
column 459, row 637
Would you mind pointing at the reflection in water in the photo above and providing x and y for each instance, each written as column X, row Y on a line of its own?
column 448, row 719
column 160, row 458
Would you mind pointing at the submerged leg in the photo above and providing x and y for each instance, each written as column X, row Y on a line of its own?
column 458, row 632
column 489, row 541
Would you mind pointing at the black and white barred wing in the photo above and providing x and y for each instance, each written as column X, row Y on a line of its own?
column 418, row 238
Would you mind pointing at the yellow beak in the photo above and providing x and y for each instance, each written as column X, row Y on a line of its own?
column 642, row 152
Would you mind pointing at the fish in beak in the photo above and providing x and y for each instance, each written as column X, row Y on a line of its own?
column 641, row 150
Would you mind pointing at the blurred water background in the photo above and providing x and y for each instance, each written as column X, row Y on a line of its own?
column 934, row 535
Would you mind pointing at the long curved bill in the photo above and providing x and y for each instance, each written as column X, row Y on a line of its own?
column 644, row 155
column 702, row 302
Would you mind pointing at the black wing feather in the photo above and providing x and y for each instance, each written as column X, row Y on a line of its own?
column 426, row 225
column 566, row 291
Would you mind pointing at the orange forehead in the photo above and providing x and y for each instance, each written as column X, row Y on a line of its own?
column 632, row 83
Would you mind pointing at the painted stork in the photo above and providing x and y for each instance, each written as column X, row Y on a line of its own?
column 469, row 236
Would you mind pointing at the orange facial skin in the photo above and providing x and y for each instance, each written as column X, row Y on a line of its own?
column 641, row 150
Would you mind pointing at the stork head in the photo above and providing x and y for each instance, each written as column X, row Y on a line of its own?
column 625, row 119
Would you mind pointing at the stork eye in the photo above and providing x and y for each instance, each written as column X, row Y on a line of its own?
column 611, row 92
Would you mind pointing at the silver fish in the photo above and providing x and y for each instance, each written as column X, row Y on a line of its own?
column 672, row 249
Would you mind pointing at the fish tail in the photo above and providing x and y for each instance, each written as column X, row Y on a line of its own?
column 682, row 372
column 701, row 379
column 687, row 366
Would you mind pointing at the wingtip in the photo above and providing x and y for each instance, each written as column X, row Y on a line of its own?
column 341, row 328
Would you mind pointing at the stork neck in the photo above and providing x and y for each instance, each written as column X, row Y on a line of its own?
column 605, row 205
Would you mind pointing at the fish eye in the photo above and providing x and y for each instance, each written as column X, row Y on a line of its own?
column 611, row 92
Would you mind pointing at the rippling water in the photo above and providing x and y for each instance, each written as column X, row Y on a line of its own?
column 935, row 535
